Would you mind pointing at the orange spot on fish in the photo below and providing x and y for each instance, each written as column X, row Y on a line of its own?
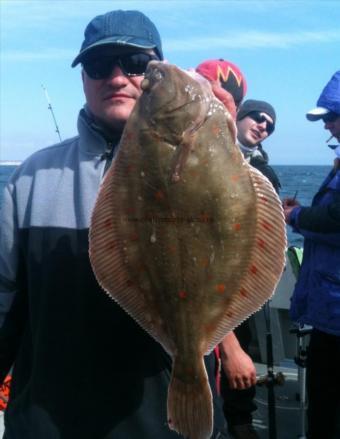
column 172, row 248
column 266, row 225
column 159, row 195
column 111, row 245
column 194, row 173
column 237, row 227
column 215, row 130
column 108, row 223
column 264, row 199
column 261, row 243
column 220, row 288
column 182, row 294
column 129, row 169
column 210, row 328
column 253, row 269
column 235, row 178
column 129, row 135
column 205, row 217
column 205, row 262
column 243, row 292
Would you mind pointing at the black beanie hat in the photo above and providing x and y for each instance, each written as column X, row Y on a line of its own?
column 252, row 105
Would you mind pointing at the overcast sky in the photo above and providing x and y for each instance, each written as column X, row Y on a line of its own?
column 287, row 51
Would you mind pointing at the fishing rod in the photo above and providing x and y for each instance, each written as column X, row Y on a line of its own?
column 271, row 379
column 52, row 112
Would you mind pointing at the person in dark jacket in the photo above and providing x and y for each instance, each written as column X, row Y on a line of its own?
column 316, row 297
column 83, row 368
column 238, row 372
column 255, row 122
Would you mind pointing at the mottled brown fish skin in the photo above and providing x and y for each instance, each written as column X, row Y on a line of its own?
column 185, row 235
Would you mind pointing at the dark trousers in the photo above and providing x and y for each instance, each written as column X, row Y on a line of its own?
column 238, row 405
column 323, row 385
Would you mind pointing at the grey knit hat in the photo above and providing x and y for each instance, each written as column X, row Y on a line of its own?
column 252, row 105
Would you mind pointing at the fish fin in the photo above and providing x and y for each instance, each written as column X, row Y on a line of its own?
column 106, row 252
column 181, row 158
column 190, row 410
column 266, row 263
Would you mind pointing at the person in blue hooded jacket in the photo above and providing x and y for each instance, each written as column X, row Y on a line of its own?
column 316, row 297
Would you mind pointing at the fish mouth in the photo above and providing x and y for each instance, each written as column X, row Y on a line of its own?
column 153, row 75
column 159, row 73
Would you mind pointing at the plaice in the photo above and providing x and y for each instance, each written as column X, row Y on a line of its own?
column 186, row 236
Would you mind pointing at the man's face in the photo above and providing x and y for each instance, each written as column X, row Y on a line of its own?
column 252, row 131
column 112, row 99
column 333, row 127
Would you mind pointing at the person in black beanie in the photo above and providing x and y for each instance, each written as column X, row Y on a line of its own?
column 255, row 122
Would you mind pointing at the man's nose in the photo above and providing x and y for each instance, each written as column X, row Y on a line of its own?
column 262, row 125
column 117, row 75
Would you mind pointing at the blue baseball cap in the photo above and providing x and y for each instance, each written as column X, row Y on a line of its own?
column 120, row 28
column 329, row 100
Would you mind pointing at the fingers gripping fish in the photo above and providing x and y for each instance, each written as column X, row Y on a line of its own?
column 186, row 236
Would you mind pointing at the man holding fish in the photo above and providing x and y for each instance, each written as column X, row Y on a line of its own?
column 159, row 246
column 82, row 367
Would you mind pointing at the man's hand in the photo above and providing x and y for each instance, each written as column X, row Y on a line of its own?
column 225, row 97
column 237, row 365
column 288, row 205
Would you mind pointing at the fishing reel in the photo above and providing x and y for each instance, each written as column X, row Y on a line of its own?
column 271, row 379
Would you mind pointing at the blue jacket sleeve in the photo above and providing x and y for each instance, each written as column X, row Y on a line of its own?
column 318, row 223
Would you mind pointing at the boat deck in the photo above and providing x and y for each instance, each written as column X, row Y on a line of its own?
column 288, row 409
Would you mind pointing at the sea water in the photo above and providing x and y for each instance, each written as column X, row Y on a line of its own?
column 303, row 181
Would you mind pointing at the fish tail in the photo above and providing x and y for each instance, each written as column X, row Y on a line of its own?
column 190, row 409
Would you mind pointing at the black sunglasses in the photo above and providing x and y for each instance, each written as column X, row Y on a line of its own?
column 330, row 117
column 131, row 64
column 260, row 118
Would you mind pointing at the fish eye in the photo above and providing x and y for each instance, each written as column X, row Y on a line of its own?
column 157, row 74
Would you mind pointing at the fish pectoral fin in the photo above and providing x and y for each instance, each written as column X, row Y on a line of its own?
column 190, row 410
column 184, row 148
